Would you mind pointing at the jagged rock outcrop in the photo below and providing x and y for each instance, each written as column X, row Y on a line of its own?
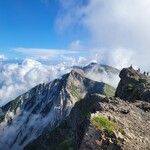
column 133, row 85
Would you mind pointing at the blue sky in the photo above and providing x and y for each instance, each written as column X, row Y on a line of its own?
column 32, row 24
column 99, row 30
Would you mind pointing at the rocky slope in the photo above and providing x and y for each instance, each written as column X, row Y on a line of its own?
column 119, row 125
column 44, row 107
column 99, row 123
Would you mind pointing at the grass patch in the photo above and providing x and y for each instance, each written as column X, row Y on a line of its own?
column 108, row 126
column 75, row 94
column 130, row 87
column 109, row 132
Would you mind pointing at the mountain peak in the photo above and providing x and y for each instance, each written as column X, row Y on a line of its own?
column 133, row 85
column 95, row 67
column 93, row 63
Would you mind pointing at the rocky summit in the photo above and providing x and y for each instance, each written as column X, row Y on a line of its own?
column 78, row 113
column 134, row 85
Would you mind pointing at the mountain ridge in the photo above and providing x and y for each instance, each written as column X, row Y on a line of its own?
column 49, row 103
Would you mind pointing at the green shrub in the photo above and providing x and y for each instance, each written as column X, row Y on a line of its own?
column 105, row 124
column 109, row 132
column 130, row 87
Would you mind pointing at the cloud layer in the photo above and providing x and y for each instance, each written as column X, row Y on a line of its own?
column 3, row 57
column 40, row 53
column 16, row 79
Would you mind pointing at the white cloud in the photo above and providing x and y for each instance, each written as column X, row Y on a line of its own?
column 16, row 79
column 2, row 57
column 76, row 45
column 119, row 29
column 111, row 79
column 120, row 22
column 80, row 61
column 44, row 53
column 114, row 25
column 119, row 57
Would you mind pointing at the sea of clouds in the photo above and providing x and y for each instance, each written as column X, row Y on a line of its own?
column 17, row 78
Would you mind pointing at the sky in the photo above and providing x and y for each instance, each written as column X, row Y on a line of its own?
column 56, row 30
column 27, row 25
column 41, row 39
